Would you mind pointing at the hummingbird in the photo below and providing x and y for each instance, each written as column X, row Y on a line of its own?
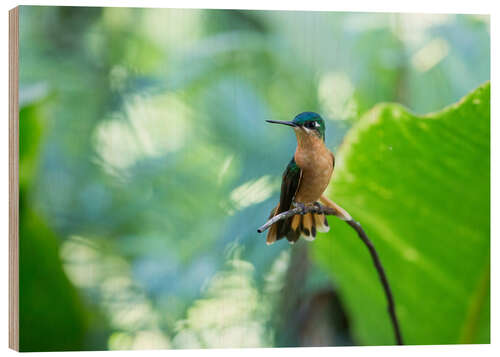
column 304, row 180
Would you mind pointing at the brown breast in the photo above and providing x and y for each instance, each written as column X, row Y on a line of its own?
column 316, row 162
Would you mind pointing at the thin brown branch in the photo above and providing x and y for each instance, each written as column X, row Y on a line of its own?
column 383, row 278
column 335, row 210
column 297, row 210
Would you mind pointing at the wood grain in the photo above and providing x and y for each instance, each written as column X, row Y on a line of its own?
column 14, row 179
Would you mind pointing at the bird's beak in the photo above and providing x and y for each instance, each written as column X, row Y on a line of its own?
column 289, row 123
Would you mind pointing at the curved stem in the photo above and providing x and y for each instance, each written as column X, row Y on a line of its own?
column 383, row 278
column 335, row 210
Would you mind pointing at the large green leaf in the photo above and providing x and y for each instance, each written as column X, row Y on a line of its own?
column 420, row 186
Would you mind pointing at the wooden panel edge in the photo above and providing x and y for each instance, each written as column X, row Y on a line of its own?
column 14, row 178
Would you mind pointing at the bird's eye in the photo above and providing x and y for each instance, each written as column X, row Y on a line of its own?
column 310, row 125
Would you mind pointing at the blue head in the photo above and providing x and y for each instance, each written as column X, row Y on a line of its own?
column 310, row 122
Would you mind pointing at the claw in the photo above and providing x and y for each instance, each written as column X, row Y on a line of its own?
column 320, row 207
column 301, row 206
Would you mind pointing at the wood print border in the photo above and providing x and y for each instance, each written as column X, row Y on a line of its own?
column 14, row 179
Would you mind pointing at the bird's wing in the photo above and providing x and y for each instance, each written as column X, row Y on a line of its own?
column 289, row 185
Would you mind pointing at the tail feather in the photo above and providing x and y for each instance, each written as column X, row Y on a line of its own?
column 293, row 236
column 296, row 222
column 297, row 226
column 272, row 234
column 321, row 223
column 307, row 227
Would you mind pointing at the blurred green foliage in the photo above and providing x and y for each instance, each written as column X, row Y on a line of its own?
column 147, row 165
column 421, row 187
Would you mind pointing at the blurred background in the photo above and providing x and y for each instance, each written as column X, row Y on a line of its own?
column 147, row 166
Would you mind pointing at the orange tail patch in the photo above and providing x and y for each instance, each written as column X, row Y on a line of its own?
column 293, row 228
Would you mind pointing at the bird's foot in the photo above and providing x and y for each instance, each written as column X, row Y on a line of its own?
column 301, row 206
column 319, row 207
